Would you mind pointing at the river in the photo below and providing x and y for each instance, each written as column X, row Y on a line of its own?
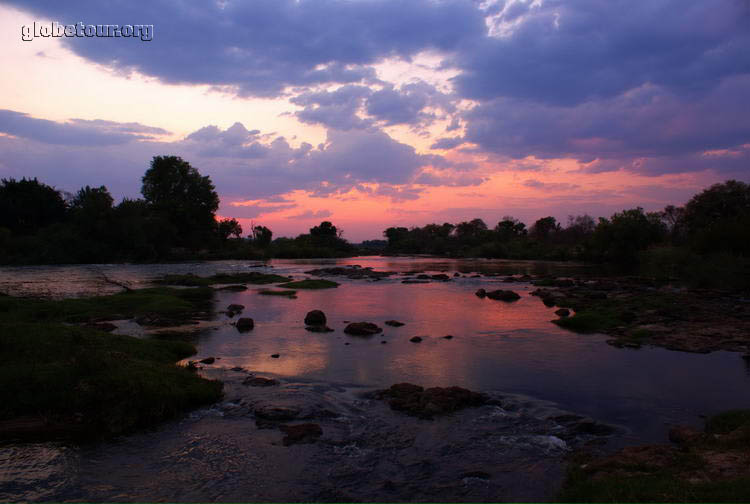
column 541, row 376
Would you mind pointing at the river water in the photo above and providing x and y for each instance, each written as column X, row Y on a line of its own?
column 545, row 380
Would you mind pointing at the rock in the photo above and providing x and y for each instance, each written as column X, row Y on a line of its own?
column 416, row 401
column 414, row 281
column 481, row 293
column 237, row 368
column 456, row 274
column 362, row 329
column 441, row 276
column 423, row 277
column 233, row 288
column 562, row 312
column 318, row 328
column 275, row 356
column 593, row 428
column 102, row 326
column 276, row 413
column 302, row 433
column 259, row 381
column 475, row 474
column 383, row 342
column 746, row 356
column 416, row 339
column 245, row 324
column 208, row 360
column 315, row 317
column 503, row 295
column 235, row 308
column 448, row 336
column 683, row 434
column 394, row 323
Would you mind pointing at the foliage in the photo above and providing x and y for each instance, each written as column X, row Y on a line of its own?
column 27, row 205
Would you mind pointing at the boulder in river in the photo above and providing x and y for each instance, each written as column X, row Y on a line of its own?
column 235, row 308
column 394, row 323
column 503, row 295
column 416, row 339
column 416, row 401
column 562, row 312
column 302, row 433
column 245, row 324
column 362, row 329
column 481, row 293
column 315, row 317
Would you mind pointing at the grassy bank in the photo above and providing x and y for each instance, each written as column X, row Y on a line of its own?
column 708, row 467
column 74, row 380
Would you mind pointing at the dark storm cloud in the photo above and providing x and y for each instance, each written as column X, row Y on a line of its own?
column 262, row 46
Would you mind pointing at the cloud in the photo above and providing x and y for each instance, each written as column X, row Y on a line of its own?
column 76, row 132
column 406, row 105
column 253, row 210
column 309, row 214
column 336, row 109
column 567, row 52
column 549, row 186
column 447, row 143
column 261, row 47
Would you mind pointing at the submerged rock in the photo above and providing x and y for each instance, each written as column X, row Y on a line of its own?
column 208, row 360
column 503, row 295
column 245, row 324
column 562, row 312
column 259, row 381
column 275, row 356
column 416, row 401
column 318, row 328
column 394, row 323
column 481, row 293
column 416, row 339
column 302, row 433
column 362, row 329
column 315, row 317
column 235, row 307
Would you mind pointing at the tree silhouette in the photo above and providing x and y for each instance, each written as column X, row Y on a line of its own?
column 27, row 205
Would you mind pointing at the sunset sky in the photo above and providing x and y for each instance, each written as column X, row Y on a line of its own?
column 374, row 113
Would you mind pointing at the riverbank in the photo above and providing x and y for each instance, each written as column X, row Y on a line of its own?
column 639, row 311
column 64, row 375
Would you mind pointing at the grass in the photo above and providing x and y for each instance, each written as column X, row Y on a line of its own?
column 310, row 284
column 100, row 383
column 668, row 483
column 590, row 321
column 161, row 300
column 284, row 293
column 252, row 277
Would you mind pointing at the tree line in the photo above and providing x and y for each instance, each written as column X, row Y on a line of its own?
column 174, row 220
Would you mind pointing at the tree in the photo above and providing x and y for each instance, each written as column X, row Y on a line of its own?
column 718, row 219
column 472, row 232
column 188, row 200
column 544, row 228
column 262, row 236
column 229, row 227
column 91, row 211
column 510, row 228
column 621, row 238
column 28, row 205
column 325, row 229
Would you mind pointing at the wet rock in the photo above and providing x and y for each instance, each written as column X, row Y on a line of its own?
column 383, row 342
column 302, row 433
column 562, row 312
column 423, row 277
column 416, row 339
column 448, row 336
column 683, row 434
column 156, row 320
column 475, row 474
column 394, row 323
column 315, row 317
column 235, row 308
column 208, row 360
column 275, row 356
column 441, row 276
column 456, row 274
column 102, row 326
column 362, row 329
column 416, row 401
column 318, row 328
column 593, row 428
column 414, row 281
column 259, row 381
column 237, row 369
column 245, row 324
column 746, row 356
column 481, row 293
column 503, row 295
column 275, row 413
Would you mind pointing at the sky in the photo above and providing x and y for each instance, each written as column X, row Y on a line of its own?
column 379, row 113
